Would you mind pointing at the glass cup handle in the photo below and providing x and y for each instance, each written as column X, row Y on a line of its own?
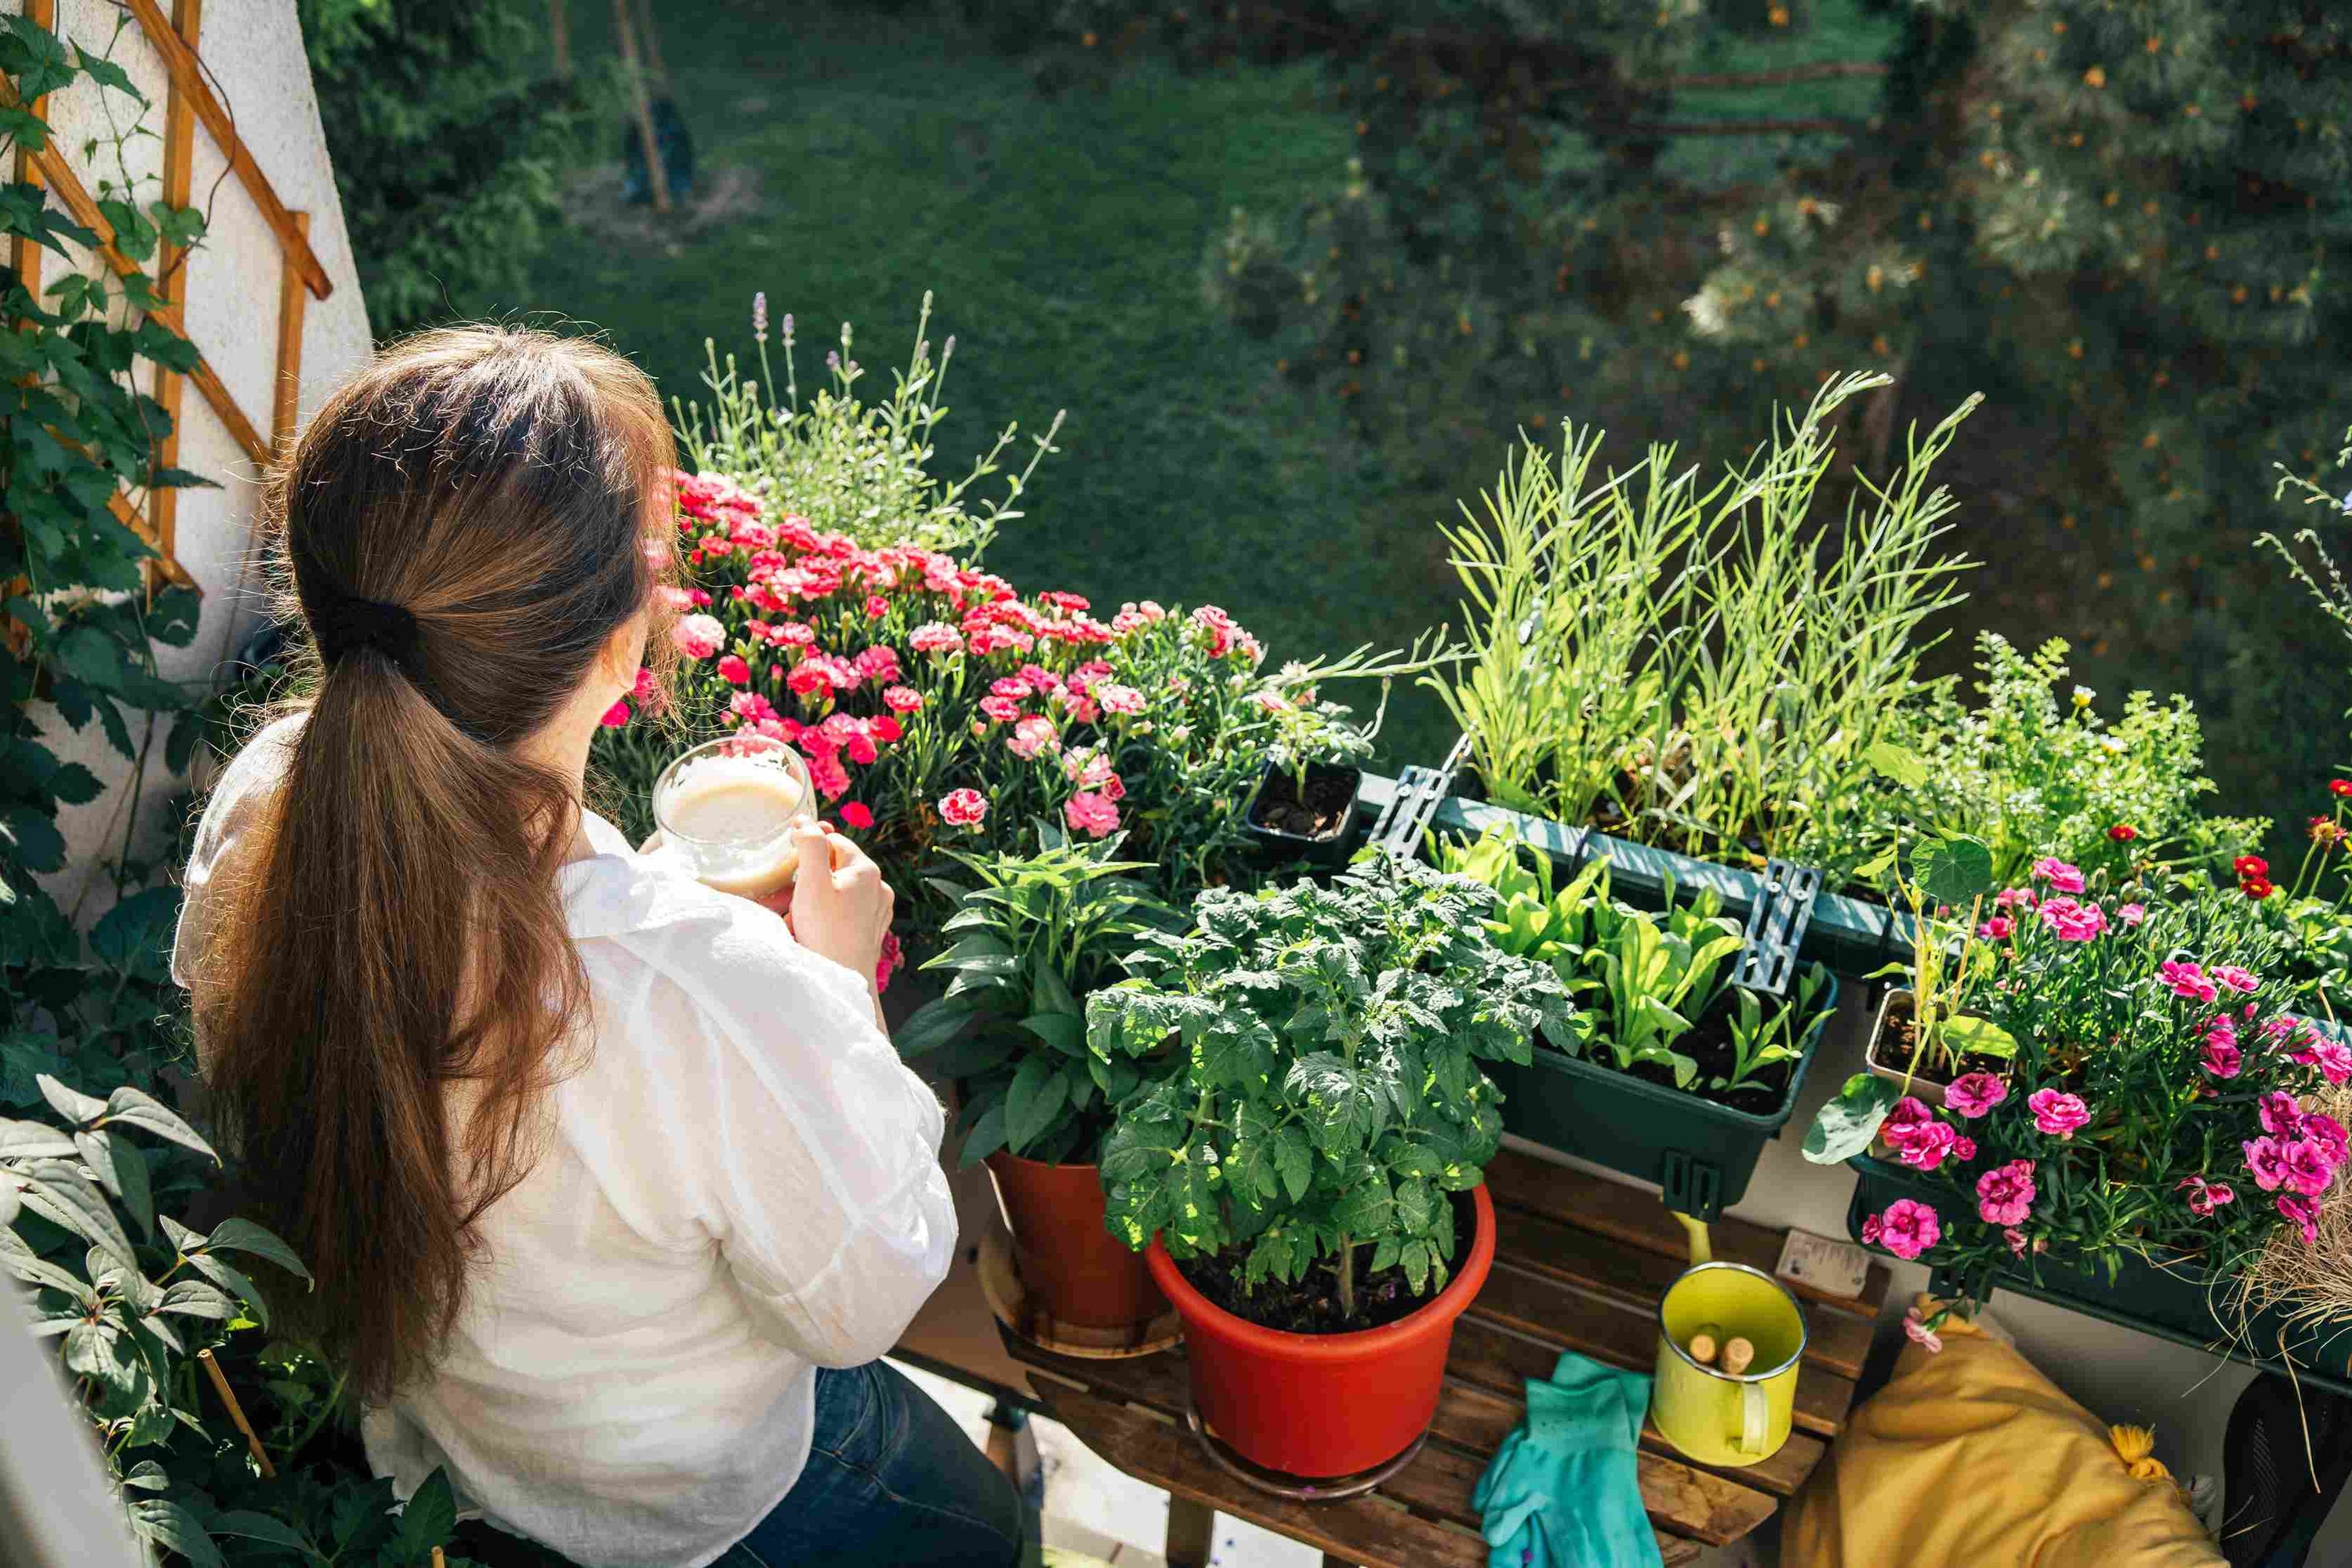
column 1755, row 1417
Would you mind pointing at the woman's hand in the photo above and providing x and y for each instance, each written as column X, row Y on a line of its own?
column 841, row 907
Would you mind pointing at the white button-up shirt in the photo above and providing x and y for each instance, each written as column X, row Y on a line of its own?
column 740, row 1184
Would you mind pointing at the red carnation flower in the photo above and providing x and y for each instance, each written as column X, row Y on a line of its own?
column 2123, row 833
column 2256, row 888
column 2250, row 868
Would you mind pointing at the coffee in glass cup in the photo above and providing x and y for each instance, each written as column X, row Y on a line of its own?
column 733, row 807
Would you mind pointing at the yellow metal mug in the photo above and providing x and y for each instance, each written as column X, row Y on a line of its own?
column 1711, row 1414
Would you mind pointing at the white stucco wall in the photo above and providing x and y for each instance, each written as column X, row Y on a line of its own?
column 254, row 51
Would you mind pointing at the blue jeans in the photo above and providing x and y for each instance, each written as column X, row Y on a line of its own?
column 891, row 1479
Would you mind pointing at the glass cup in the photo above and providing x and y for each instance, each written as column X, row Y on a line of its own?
column 732, row 806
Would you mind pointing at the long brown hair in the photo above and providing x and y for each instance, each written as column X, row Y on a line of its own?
column 462, row 528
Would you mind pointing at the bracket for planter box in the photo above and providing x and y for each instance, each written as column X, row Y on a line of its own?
column 1777, row 920
column 1405, row 819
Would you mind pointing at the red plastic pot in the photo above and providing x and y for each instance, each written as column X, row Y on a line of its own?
column 1073, row 1269
column 1320, row 1405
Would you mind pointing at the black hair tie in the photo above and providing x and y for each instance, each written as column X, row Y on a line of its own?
column 344, row 623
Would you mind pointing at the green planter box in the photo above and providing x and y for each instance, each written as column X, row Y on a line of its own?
column 1700, row 1153
column 1848, row 937
column 2171, row 1303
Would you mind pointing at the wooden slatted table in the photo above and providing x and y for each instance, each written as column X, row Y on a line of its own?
column 1579, row 1264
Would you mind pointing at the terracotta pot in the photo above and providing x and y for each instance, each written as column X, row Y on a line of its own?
column 1319, row 1406
column 1073, row 1269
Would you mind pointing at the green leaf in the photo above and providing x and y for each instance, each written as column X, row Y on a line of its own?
column 34, row 1140
column 144, row 1111
column 1904, row 766
column 1293, row 1157
column 59, row 1194
column 70, row 1103
column 1844, row 1127
column 229, row 1278
column 131, row 1180
column 1066, row 1032
column 931, row 1025
column 173, row 1528
column 428, row 1518
column 1039, row 1092
column 1965, row 1032
column 1955, row 871
column 986, row 1137
column 248, row 1525
column 244, row 1235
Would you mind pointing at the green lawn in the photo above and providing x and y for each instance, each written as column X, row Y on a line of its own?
column 854, row 167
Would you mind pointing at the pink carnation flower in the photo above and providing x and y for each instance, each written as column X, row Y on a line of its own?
column 1928, row 1146
column 1907, row 1229
column 2131, row 914
column 2266, row 1162
column 859, row 815
column 2016, row 1240
column 646, row 688
column 2073, row 920
column 1012, row 688
column 1904, row 1123
column 2057, row 1113
column 1003, row 709
column 2303, row 1213
column 2062, row 877
column 1114, row 698
column 893, row 954
column 2187, row 980
column 2205, row 1197
column 1973, row 1094
column 936, row 637
column 2000, row 927
column 2282, row 1113
column 2333, row 1059
column 699, row 636
column 1091, row 812
column 1914, row 1327
column 2223, row 1058
column 2235, row 978
column 2310, row 1166
column 732, row 668
column 879, row 664
column 2322, row 1127
column 902, row 700
column 1034, row 735
column 962, row 808
column 2005, row 1193
column 616, row 715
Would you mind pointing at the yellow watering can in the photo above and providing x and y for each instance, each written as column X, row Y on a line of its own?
column 1729, row 1341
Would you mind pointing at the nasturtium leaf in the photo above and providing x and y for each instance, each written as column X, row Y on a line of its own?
column 1844, row 1127
column 1903, row 765
column 1955, row 871
column 1965, row 1033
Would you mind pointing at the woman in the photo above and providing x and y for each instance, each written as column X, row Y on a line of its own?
column 612, row 1189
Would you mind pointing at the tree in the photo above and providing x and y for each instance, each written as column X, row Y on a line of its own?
column 446, row 146
column 2127, row 220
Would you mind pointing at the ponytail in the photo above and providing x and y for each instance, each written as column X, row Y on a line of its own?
column 391, row 989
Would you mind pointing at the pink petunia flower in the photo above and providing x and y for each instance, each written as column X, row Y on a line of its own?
column 962, row 808
column 1973, row 1094
column 699, row 636
column 2266, row 1162
column 2005, row 1193
column 1907, row 1229
column 2304, row 1213
column 2057, row 1113
column 2062, row 877
column 2187, row 980
column 616, row 715
column 2205, row 1197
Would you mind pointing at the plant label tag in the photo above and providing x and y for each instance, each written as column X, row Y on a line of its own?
column 1833, row 1268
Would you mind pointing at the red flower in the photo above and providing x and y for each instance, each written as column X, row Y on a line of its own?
column 2123, row 833
column 2340, row 787
column 857, row 815
column 2256, row 888
column 732, row 668
column 2250, row 868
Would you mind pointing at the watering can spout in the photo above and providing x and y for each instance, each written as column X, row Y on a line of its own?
column 1700, row 1250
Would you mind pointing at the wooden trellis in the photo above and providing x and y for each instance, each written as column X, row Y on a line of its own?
column 191, row 100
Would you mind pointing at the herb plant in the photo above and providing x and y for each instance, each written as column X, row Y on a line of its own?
column 1704, row 668
column 1033, row 935
column 1325, row 1093
column 1645, row 980
column 2033, row 774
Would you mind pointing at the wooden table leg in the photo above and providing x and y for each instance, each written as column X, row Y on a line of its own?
column 1192, row 1531
column 1331, row 1561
